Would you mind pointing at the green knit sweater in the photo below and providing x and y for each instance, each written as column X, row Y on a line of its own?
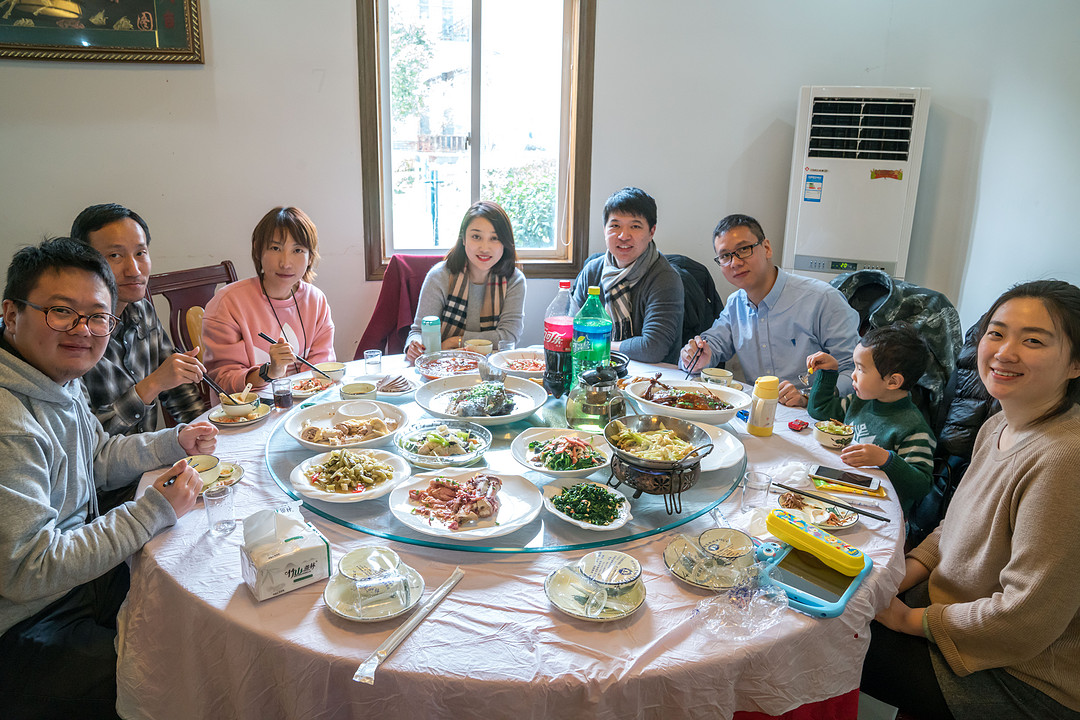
column 898, row 427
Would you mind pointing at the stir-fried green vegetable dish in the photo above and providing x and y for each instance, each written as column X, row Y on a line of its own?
column 589, row 503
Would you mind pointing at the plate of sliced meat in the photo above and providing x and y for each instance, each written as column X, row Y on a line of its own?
column 466, row 504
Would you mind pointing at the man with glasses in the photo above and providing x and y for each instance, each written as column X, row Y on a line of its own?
column 62, row 569
column 140, row 370
column 775, row 320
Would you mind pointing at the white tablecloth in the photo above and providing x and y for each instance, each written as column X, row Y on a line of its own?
column 194, row 643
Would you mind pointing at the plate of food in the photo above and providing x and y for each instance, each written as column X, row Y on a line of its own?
column 330, row 425
column 466, row 397
column 466, row 504
column 348, row 476
column 526, row 362
column 820, row 514
column 589, row 505
column 697, row 402
column 443, row 443
column 561, row 453
column 447, row 363
column 220, row 418
column 304, row 386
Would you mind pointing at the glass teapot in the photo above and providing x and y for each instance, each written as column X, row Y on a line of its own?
column 595, row 401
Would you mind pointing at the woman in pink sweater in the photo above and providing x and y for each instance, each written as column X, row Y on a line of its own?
column 989, row 625
column 280, row 302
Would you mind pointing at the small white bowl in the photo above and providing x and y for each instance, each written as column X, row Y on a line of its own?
column 208, row 467
column 360, row 409
column 479, row 345
column 358, row 391
column 242, row 408
column 335, row 370
column 831, row 440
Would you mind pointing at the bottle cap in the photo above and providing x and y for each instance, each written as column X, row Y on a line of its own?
column 564, row 284
column 431, row 320
column 594, row 290
column 767, row 387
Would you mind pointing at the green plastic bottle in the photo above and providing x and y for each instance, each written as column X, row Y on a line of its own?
column 591, row 346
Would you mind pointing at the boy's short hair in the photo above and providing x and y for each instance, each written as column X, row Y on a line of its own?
column 54, row 255
column 632, row 201
column 897, row 348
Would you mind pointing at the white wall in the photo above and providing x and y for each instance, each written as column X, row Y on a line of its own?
column 695, row 102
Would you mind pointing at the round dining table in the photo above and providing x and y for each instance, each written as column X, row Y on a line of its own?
column 194, row 643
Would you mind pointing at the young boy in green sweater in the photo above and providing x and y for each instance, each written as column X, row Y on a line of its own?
column 890, row 432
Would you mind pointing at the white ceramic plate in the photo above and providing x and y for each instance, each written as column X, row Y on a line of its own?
column 519, row 448
column 433, row 397
column 326, row 415
column 817, row 513
column 219, row 418
column 305, row 394
column 563, row 588
column 501, row 360
column 232, row 475
column 336, row 595
column 413, row 384
column 520, row 502
column 303, row 486
column 739, row 401
column 554, row 488
column 727, row 449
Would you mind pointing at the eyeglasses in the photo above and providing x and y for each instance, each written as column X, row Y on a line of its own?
column 64, row 319
column 724, row 259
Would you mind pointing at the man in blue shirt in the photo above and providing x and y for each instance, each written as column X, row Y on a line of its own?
column 775, row 320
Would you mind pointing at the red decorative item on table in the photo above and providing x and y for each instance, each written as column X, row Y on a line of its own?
column 798, row 425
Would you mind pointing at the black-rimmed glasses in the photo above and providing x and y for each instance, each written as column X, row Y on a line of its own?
column 64, row 319
column 724, row 259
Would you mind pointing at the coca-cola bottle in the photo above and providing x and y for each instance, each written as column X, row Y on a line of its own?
column 558, row 333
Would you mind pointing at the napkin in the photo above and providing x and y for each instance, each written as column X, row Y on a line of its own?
column 282, row 552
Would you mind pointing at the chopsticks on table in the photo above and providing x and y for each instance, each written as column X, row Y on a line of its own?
column 832, row 501
column 304, row 360
column 692, row 361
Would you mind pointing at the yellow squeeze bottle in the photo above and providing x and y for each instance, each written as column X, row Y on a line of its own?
column 763, row 406
column 827, row 548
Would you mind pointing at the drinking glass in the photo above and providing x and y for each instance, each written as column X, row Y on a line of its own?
column 282, row 389
column 504, row 345
column 373, row 361
column 755, row 490
column 220, row 513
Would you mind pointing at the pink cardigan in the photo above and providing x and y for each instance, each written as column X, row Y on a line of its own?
column 238, row 312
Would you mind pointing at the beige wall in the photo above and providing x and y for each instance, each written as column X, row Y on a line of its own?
column 695, row 102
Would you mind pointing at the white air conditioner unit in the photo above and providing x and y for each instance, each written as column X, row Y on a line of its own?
column 854, row 177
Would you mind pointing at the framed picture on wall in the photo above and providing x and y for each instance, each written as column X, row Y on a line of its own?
column 101, row 30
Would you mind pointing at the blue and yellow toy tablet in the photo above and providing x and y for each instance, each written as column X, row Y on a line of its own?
column 819, row 574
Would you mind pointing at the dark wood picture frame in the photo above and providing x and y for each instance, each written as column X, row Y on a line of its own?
column 166, row 31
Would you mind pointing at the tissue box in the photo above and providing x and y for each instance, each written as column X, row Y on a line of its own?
column 282, row 552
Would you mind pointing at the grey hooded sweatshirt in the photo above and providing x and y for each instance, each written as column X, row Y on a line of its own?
column 52, row 454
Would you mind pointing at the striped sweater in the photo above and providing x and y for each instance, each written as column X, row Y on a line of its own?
column 899, row 427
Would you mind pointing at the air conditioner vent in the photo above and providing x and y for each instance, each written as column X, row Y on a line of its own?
column 861, row 128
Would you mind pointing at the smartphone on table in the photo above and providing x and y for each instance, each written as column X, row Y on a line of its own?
column 845, row 477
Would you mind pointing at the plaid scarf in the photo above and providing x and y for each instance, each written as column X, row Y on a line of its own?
column 456, row 309
column 617, row 282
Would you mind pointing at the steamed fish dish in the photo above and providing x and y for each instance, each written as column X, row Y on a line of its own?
column 663, row 445
column 488, row 399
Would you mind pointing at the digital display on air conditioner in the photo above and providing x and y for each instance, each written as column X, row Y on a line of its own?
column 843, row 265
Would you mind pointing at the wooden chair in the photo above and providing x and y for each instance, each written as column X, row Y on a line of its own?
column 187, row 292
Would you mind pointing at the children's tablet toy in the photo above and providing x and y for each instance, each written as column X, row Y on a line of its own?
column 818, row 571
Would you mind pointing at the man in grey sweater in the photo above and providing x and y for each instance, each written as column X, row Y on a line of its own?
column 62, row 570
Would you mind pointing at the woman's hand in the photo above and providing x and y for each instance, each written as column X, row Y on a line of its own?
column 901, row 618
column 281, row 358
column 198, row 438
column 414, row 351
column 453, row 343
column 182, row 491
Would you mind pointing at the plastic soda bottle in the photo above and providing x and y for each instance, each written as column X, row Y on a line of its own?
column 558, row 334
column 591, row 346
column 431, row 333
column 763, row 406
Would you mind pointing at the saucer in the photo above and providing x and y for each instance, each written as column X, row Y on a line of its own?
column 339, row 587
column 563, row 588
column 228, row 474
column 219, row 418
column 675, row 563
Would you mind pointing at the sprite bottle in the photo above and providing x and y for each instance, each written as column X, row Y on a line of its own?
column 591, row 346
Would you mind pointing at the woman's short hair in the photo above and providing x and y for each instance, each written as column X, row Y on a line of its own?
column 291, row 221
column 456, row 260
column 1062, row 301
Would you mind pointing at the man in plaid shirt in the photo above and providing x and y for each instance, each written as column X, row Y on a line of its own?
column 139, row 369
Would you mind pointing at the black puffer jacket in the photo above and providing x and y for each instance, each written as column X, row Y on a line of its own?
column 970, row 404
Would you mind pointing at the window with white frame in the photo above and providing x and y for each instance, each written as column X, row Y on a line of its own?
column 462, row 100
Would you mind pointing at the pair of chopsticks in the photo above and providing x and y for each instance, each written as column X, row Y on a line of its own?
column 831, row 501
column 692, row 361
column 272, row 341
column 213, row 385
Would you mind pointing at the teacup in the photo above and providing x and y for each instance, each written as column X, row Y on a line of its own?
column 334, row 370
column 208, row 467
column 358, row 391
column 377, row 574
column 717, row 376
column 479, row 345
